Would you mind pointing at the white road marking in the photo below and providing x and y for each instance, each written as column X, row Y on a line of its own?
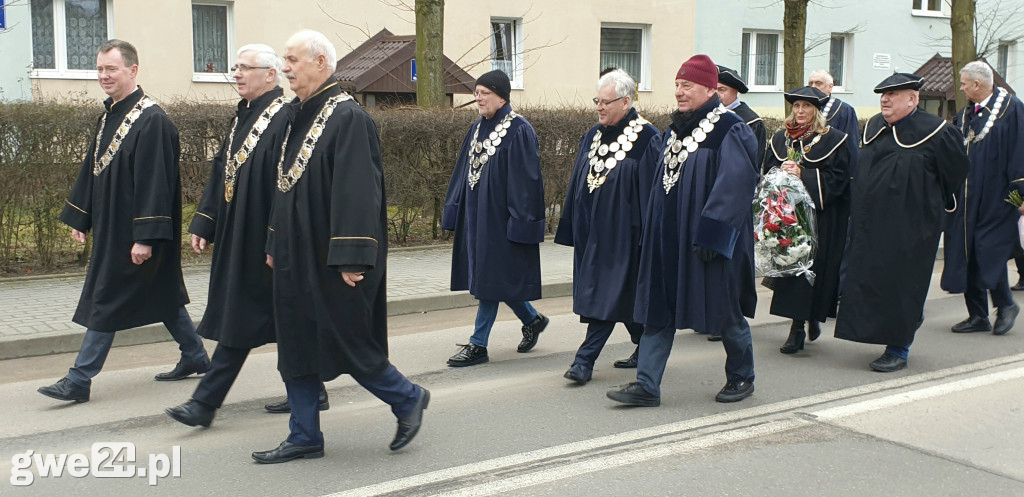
column 655, row 442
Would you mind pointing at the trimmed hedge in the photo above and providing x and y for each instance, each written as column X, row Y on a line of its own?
column 42, row 144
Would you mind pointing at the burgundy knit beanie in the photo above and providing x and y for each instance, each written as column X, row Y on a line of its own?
column 701, row 70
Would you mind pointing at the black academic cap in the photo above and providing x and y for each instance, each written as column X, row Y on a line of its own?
column 900, row 81
column 809, row 94
column 732, row 79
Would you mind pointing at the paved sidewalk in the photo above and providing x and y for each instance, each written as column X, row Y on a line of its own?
column 35, row 312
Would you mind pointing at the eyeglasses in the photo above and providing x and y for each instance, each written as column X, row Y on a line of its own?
column 482, row 93
column 603, row 103
column 245, row 68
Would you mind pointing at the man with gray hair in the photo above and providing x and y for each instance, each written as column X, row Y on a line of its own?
column 602, row 219
column 981, row 237
column 128, row 194
column 838, row 114
column 233, row 214
column 327, row 245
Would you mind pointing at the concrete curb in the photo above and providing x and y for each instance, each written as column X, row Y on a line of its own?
column 16, row 347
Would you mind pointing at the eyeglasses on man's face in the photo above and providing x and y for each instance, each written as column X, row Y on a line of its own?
column 602, row 103
column 246, row 67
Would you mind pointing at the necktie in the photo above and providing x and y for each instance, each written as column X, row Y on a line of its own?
column 977, row 108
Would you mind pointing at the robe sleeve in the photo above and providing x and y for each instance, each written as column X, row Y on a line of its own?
column 204, row 223
column 647, row 171
column 829, row 181
column 525, row 189
column 78, row 207
column 771, row 157
column 356, row 193
column 564, row 234
column 761, row 133
column 1014, row 146
column 951, row 164
column 456, row 187
column 727, row 210
column 846, row 121
column 155, row 177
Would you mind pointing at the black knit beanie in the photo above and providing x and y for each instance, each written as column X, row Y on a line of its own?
column 496, row 81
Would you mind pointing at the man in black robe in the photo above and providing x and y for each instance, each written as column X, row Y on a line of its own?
column 981, row 237
column 838, row 114
column 910, row 167
column 328, row 247
column 697, row 248
column 730, row 86
column 128, row 193
column 603, row 216
column 495, row 205
column 233, row 214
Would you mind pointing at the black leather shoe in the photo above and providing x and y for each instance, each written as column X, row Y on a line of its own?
column 813, row 330
column 65, row 389
column 183, row 370
column 714, row 338
column 1019, row 286
column 469, row 355
column 633, row 394
column 1005, row 317
column 579, row 374
column 735, row 391
column 409, row 426
column 971, row 325
column 888, row 363
column 288, row 451
column 629, row 362
column 531, row 332
column 192, row 413
column 283, row 407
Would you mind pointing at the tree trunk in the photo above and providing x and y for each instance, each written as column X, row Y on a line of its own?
column 961, row 24
column 430, row 53
column 794, row 23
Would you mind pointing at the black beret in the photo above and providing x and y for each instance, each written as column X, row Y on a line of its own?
column 732, row 79
column 810, row 94
column 900, row 81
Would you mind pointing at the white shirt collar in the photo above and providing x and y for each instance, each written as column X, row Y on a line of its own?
column 734, row 104
column 984, row 103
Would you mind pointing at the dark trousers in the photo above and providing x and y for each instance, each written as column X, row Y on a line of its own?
column 224, row 368
column 977, row 297
column 390, row 386
column 656, row 345
column 96, row 345
column 597, row 335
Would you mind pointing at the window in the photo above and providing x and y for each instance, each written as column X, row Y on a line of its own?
column 65, row 36
column 935, row 5
column 507, row 49
column 931, row 8
column 212, row 41
column 837, row 59
column 759, row 54
column 1003, row 59
column 627, row 47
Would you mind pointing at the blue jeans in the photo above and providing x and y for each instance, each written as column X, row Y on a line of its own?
column 96, row 346
column 391, row 386
column 901, row 351
column 598, row 333
column 487, row 312
column 656, row 345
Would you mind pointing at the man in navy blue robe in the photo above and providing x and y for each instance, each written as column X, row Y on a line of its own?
column 603, row 216
column 697, row 255
column 980, row 238
column 730, row 86
column 495, row 205
column 839, row 115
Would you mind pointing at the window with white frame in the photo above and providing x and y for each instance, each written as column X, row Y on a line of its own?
column 628, row 47
column 212, row 40
column 1003, row 59
column 930, row 8
column 837, row 57
column 507, row 48
column 760, row 63
column 66, row 35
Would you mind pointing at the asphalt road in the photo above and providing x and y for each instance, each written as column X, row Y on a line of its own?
column 820, row 423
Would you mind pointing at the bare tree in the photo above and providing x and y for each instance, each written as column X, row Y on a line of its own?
column 961, row 24
column 794, row 34
column 430, row 53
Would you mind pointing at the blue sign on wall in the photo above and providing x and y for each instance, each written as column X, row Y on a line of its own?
column 3, row 19
column 412, row 76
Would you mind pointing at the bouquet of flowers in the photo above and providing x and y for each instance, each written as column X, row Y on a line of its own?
column 1016, row 200
column 785, row 237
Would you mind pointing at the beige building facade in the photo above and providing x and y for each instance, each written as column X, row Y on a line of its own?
column 553, row 51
